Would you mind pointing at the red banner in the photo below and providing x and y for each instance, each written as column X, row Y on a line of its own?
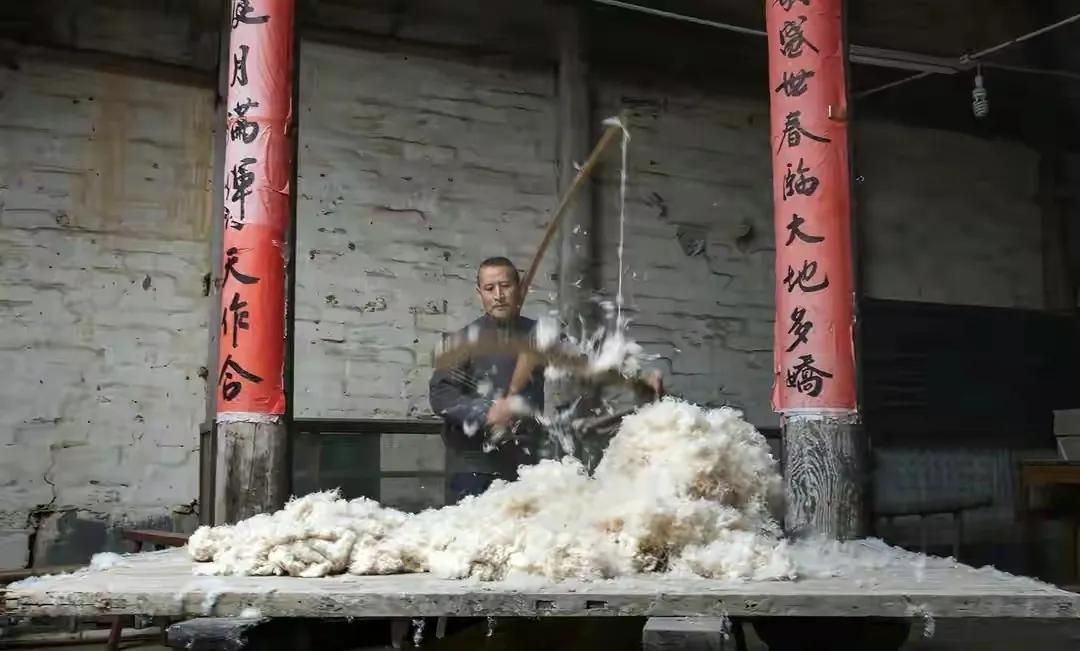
column 258, row 171
column 814, row 360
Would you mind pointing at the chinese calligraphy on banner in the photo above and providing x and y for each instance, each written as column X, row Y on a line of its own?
column 258, row 152
column 814, row 365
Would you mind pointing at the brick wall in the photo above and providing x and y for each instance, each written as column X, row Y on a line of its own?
column 698, row 260
column 947, row 218
column 104, row 220
column 404, row 190
column 413, row 170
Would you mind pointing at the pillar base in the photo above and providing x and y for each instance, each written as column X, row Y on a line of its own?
column 825, row 477
column 252, row 470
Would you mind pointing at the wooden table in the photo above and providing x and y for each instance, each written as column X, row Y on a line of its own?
column 1036, row 477
column 1048, row 472
column 875, row 584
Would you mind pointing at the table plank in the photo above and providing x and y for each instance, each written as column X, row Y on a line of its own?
column 163, row 583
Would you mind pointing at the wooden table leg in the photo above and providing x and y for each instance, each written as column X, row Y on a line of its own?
column 114, row 634
column 739, row 633
column 958, row 533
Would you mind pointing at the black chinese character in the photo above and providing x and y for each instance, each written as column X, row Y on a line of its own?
column 244, row 129
column 230, row 388
column 788, row 4
column 798, row 182
column 804, row 378
column 242, row 180
column 232, row 256
column 800, row 328
column 242, row 14
column 793, row 232
column 239, row 318
column 794, row 131
column 794, row 85
column 234, row 224
column 242, row 109
column 240, row 67
column 800, row 279
column 792, row 39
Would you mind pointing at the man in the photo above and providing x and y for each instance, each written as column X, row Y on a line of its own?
column 472, row 397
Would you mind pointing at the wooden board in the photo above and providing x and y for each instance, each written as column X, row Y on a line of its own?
column 162, row 583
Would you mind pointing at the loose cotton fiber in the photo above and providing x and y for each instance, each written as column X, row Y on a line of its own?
column 680, row 489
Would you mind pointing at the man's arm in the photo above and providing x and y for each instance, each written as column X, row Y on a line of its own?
column 456, row 402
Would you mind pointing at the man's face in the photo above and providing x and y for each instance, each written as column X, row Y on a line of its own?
column 498, row 290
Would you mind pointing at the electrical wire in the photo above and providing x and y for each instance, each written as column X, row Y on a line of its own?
column 683, row 17
column 892, row 84
column 972, row 58
column 1020, row 39
column 965, row 61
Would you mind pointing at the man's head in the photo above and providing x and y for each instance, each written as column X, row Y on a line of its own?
column 498, row 285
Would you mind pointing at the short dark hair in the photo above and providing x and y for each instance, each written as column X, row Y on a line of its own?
column 497, row 261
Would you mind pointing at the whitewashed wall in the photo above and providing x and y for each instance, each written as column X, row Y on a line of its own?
column 104, row 221
column 948, row 218
column 413, row 170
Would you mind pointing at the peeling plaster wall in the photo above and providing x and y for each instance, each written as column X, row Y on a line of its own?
column 430, row 164
column 104, row 218
column 409, row 177
column 947, row 218
column 698, row 270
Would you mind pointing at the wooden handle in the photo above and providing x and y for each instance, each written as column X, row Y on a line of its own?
column 564, row 205
column 527, row 363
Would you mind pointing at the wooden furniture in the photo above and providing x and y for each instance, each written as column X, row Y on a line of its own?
column 156, row 539
column 143, row 538
column 1048, row 472
column 875, row 582
column 1040, row 479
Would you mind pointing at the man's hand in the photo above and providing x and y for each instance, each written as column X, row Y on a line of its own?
column 655, row 380
column 499, row 414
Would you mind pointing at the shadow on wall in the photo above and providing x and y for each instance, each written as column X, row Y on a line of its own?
column 72, row 537
column 954, row 396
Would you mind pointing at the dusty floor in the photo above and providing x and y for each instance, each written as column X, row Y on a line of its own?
column 949, row 636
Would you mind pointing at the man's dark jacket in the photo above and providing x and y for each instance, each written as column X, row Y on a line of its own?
column 456, row 397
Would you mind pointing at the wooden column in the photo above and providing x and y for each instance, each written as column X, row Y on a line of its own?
column 1049, row 115
column 252, row 470
column 815, row 386
column 1059, row 284
column 577, row 263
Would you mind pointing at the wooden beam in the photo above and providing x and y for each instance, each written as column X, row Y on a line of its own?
column 12, row 51
column 252, row 470
column 1043, row 123
column 825, row 477
column 1059, row 284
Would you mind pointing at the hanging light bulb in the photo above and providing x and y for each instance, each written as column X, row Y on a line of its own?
column 980, row 103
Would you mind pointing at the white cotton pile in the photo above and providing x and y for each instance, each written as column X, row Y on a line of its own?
column 315, row 535
column 106, row 560
column 680, row 489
